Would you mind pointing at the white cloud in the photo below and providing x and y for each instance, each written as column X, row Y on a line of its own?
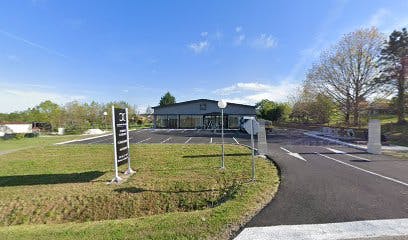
column 265, row 41
column 238, row 29
column 13, row 58
column 199, row 47
column 253, row 92
column 204, row 34
column 239, row 39
column 377, row 19
column 21, row 99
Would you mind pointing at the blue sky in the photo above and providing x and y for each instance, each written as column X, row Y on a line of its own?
column 242, row 51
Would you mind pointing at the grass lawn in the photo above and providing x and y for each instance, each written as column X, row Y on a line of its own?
column 16, row 144
column 178, row 192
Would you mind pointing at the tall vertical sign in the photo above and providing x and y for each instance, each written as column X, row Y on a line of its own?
column 120, row 130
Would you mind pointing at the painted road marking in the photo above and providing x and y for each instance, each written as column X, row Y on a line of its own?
column 84, row 139
column 235, row 140
column 147, row 139
column 188, row 140
column 329, row 231
column 350, row 155
column 361, row 169
column 296, row 155
column 166, row 140
column 210, row 140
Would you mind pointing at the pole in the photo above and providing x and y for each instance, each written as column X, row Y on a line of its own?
column 117, row 178
column 253, row 150
column 222, row 137
column 129, row 171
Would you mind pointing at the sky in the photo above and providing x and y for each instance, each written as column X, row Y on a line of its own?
column 240, row 51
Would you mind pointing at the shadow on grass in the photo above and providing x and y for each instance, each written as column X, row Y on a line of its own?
column 217, row 155
column 139, row 190
column 21, row 180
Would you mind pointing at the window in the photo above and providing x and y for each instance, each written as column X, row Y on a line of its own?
column 234, row 121
column 191, row 121
column 203, row 106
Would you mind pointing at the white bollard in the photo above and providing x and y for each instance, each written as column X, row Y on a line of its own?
column 374, row 137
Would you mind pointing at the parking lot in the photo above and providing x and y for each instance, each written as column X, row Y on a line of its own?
column 177, row 136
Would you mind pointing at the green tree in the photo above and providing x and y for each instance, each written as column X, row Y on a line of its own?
column 394, row 59
column 167, row 99
column 272, row 111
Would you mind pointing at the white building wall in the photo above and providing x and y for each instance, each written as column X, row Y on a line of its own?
column 18, row 128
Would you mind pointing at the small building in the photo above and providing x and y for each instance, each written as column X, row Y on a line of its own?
column 200, row 114
column 15, row 127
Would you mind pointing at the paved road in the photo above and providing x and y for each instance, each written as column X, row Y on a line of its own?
column 331, row 186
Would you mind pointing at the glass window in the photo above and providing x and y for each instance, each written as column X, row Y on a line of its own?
column 203, row 106
column 161, row 121
column 233, row 121
column 197, row 121
column 186, row 121
column 172, row 121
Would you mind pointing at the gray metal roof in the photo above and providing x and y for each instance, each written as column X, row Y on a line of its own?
column 210, row 108
column 201, row 100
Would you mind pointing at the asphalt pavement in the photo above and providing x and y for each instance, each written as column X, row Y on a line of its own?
column 324, row 183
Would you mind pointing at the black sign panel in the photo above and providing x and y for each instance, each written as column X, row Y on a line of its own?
column 121, row 133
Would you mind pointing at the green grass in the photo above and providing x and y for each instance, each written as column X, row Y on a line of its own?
column 16, row 144
column 178, row 192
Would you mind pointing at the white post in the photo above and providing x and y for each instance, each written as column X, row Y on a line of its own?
column 222, row 137
column 115, row 163
column 129, row 171
column 374, row 137
column 253, row 149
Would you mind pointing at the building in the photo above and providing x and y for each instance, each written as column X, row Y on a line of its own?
column 201, row 113
column 15, row 127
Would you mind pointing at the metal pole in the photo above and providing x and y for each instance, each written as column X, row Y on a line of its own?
column 253, row 150
column 222, row 137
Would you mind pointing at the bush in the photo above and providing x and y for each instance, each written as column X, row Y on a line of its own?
column 31, row 135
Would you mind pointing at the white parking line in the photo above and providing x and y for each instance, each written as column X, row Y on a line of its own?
column 210, row 140
column 366, row 171
column 188, row 140
column 147, row 139
column 235, row 140
column 166, row 140
column 350, row 155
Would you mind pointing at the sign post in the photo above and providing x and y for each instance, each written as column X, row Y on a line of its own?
column 252, row 119
column 120, row 140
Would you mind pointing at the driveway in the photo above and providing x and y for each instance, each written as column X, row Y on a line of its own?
column 325, row 183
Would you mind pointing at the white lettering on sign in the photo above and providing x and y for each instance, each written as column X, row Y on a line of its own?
column 122, row 117
column 124, row 148
column 123, row 141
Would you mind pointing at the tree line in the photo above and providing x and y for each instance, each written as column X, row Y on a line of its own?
column 75, row 116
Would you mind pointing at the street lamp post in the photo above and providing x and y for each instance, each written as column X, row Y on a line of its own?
column 222, row 104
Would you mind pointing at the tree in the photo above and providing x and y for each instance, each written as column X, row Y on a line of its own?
column 272, row 111
column 167, row 99
column 394, row 59
column 347, row 72
column 312, row 106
